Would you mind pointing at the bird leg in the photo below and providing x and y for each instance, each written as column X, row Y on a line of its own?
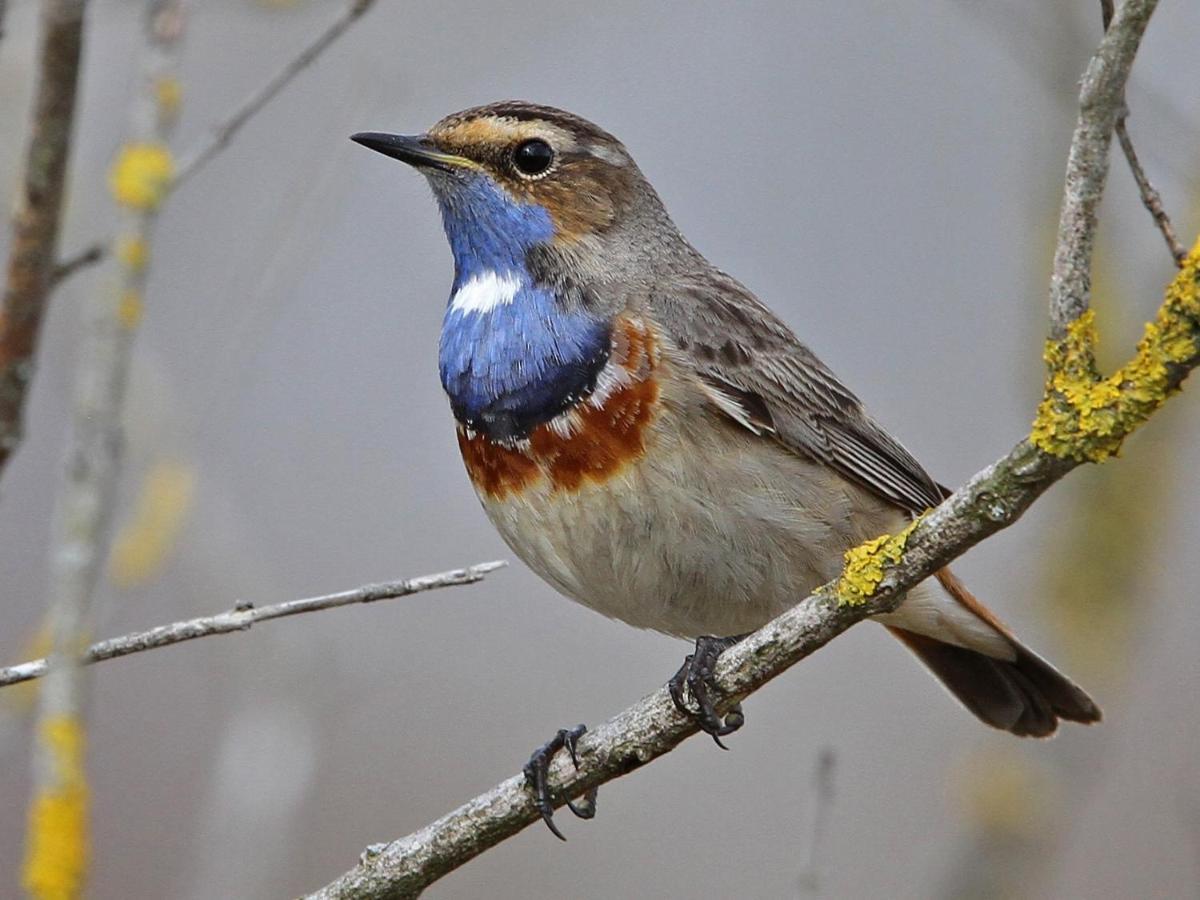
column 696, row 674
column 537, row 772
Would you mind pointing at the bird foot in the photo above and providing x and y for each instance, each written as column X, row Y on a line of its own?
column 537, row 772
column 696, row 675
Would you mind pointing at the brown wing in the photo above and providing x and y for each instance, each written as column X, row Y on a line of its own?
column 757, row 372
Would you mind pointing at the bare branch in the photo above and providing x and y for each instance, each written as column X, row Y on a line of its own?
column 224, row 132
column 81, row 260
column 1150, row 196
column 990, row 501
column 1101, row 101
column 36, row 221
column 243, row 616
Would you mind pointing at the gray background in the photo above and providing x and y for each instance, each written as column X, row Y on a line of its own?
column 886, row 176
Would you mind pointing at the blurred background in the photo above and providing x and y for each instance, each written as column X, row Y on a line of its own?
column 887, row 176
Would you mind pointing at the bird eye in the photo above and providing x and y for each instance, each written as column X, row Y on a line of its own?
column 533, row 157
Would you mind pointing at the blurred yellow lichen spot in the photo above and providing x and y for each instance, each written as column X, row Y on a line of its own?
column 168, row 93
column 132, row 253
column 129, row 310
column 57, row 853
column 1002, row 792
column 142, row 175
column 146, row 540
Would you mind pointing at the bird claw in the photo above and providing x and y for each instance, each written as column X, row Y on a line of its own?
column 696, row 675
column 537, row 772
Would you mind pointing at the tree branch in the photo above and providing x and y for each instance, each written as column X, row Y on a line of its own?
column 72, row 264
column 878, row 573
column 243, row 616
column 224, row 132
column 1151, row 199
column 37, row 219
column 1150, row 196
column 57, row 835
column 1101, row 99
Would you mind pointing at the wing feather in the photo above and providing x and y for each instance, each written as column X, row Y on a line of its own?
column 756, row 372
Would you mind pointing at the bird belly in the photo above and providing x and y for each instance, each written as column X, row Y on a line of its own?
column 674, row 519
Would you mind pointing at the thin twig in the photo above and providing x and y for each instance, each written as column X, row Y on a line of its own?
column 990, row 501
column 1151, row 199
column 242, row 616
column 72, row 264
column 223, row 133
column 37, row 220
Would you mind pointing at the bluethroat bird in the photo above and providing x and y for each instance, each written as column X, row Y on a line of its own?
column 652, row 440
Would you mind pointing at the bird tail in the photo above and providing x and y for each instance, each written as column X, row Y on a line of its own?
column 1016, row 691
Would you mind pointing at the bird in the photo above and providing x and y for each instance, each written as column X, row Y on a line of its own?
column 652, row 440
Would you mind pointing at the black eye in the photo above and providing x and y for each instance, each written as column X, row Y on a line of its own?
column 533, row 157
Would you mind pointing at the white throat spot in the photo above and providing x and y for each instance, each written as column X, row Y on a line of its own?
column 483, row 293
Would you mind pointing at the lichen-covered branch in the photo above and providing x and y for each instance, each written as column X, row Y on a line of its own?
column 244, row 615
column 876, row 578
column 33, row 253
column 57, row 846
column 1091, row 417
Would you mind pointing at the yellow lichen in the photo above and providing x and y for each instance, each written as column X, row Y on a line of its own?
column 133, row 253
column 866, row 564
column 146, row 541
column 141, row 176
column 168, row 93
column 129, row 310
column 57, row 854
column 1084, row 416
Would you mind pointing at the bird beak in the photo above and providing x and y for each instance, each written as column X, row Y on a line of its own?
column 416, row 150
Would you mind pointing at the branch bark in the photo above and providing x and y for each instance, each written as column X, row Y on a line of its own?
column 990, row 501
column 37, row 220
column 1101, row 100
column 243, row 616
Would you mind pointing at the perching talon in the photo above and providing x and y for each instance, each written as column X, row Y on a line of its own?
column 696, row 674
column 537, row 777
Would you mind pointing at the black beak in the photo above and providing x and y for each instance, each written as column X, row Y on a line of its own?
column 416, row 150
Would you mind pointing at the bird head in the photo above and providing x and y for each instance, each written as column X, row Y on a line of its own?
column 513, row 176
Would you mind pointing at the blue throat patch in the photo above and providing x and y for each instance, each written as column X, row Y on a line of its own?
column 512, row 367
